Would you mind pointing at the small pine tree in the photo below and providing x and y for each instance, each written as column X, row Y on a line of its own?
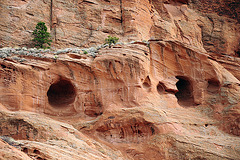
column 41, row 36
column 111, row 40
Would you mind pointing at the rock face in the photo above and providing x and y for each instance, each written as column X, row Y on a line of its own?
column 163, row 97
column 9, row 152
column 173, row 97
column 86, row 23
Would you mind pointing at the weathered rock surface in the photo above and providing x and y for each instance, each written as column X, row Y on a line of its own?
column 220, row 25
column 87, row 23
column 166, row 98
column 9, row 152
column 174, row 96
column 40, row 137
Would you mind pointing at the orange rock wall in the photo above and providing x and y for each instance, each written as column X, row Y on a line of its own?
column 129, row 97
column 126, row 76
column 173, row 97
column 88, row 23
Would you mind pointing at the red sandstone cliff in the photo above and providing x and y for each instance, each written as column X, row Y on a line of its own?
column 213, row 25
column 173, row 97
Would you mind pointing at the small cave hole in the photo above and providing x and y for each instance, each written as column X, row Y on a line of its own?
column 3, row 66
column 139, row 132
column 147, row 83
column 25, row 150
column 61, row 93
column 206, row 125
column 152, row 130
column 213, row 86
column 36, row 151
column 161, row 88
column 111, row 117
column 237, row 53
column 121, row 134
column 185, row 89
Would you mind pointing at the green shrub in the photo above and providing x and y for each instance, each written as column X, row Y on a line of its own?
column 41, row 36
column 111, row 40
column 85, row 52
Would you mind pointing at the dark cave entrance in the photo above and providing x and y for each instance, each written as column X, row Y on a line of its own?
column 61, row 93
column 185, row 91
column 237, row 53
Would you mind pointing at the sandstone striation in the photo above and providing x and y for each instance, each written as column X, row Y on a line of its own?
column 86, row 23
column 163, row 97
column 169, row 90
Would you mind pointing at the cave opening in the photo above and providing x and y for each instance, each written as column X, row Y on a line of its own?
column 185, row 91
column 61, row 93
column 237, row 53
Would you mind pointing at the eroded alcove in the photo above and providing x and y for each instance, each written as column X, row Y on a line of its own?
column 161, row 88
column 61, row 93
column 133, row 130
column 185, row 91
column 213, row 86
column 237, row 53
column 147, row 83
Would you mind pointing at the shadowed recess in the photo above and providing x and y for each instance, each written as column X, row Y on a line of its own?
column 185, row 89
column 61, row 93
column 161, row 88
column 213, row 86
column 237, row 53
column 147, row 83
column 133, row 130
